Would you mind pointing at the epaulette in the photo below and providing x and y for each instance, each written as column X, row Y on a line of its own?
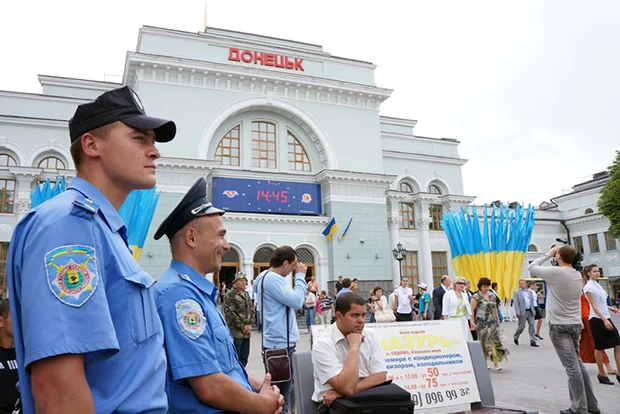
column 84, row 207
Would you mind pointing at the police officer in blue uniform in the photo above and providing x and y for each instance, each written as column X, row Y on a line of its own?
column 87, row 334
column 204, row 373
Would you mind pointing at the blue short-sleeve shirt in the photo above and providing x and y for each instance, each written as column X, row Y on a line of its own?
column 75, row 288
column 197, row 339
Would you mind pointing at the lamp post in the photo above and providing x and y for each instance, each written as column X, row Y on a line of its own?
column 399, row 254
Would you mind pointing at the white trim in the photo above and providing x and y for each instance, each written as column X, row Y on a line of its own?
column 442, row 181
column 53, row 147
column 275, row 218
column 54, row 123
column 238, row 247
column 411, row 123
column 424, row 157
column 353, row 199
column 264, row 243
column 406, row 177
column 325, row 147
column 447, row 141
column 75, row 83
column 16, row 150
column 26, row 95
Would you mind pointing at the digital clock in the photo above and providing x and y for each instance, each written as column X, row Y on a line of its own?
column 266, row 196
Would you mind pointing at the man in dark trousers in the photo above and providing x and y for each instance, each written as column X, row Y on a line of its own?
column 438, row 293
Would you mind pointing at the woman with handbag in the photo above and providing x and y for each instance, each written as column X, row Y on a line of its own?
column 383, row 313
column 456, row 306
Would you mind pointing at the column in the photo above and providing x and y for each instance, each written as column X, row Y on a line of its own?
column 394, row 223
column 248, row 268
column 323, row 274
column 23, row 181
column 426, row 266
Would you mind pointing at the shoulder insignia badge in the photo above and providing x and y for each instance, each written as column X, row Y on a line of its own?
column 86, row 203
column 72, row 273
column 190, row 318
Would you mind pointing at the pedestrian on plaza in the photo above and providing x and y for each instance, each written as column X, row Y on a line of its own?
column 8, row 361
column 354, row 286
column 392, row 299
column 313, row 286
column 456, row 306
column 540, row 296
column 240, row 316
column 310, row 305
column 280, row 303
column 493, row 290
column 204, row 374
column 524, row 305
column 470, row 294
column 485, row 320
column 403, row 301
column 586, row 341
column 86, row 331
column 531, row 286
column 438, row 294
column 338, row 285
column 383, row 312
column 325, row 303
column 346, row 286
column 563, row 312
column 424, row 302
column 603, row 330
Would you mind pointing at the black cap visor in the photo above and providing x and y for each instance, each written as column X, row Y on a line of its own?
column 164, row 129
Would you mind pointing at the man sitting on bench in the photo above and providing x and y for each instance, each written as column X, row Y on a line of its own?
column 347, row 359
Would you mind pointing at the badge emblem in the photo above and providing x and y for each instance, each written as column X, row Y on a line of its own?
column 72, row 273
column 306, row 198
column 137, row 100
column 230, row 193
column 190, row 318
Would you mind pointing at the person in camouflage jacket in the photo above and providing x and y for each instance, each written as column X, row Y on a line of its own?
column 240, row 316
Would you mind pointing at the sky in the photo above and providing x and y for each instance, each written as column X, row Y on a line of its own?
column 529, row 88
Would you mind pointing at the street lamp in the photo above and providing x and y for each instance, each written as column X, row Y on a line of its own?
column 399, row 254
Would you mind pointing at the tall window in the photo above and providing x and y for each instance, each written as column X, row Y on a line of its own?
column 610, row 242
column 7, row 161
column 4, row 251
column 440, row 266
column 589, row 211
column 227, row 151
column 436, row 211
column 433, row 189
column 263, row 144
column 406, row 209
column 7, row 195
column 578, row 244
column 410, row 268
column 297, row 158
column 52, row 163
column 593, row 242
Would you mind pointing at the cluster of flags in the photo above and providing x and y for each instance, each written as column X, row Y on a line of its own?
column 137, row 211
column 496, row 250
column 332, row 227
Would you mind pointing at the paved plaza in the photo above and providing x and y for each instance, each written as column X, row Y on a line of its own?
column 532, row 378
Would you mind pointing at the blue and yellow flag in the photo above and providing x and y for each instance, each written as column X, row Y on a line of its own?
column 344, row 233
column 137, row 212
column 45, row 191
column 496, row 251
column 330, row 229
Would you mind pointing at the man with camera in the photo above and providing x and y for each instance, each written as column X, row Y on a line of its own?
column 564, row 314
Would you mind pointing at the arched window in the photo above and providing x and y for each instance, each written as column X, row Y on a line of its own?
column 229, row 267
column 306, row 257
column 433, row 189
column 51, row 163
column 407, row 213
column 227, row 151
column 297, row 157
column 589, row 211
column 263, row 144
column 262, row 258
column 532, row 248
column 7, row 160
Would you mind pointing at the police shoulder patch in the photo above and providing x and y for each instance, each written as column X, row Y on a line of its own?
column 72, row 273
column 190, row 318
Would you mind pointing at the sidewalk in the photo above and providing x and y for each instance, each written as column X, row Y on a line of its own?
column 532, row 378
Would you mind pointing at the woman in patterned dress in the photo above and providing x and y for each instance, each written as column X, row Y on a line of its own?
column 485, row 320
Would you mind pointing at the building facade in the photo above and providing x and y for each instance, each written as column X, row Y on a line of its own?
column 264, row 111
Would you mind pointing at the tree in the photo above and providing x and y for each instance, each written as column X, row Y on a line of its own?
column 609, row 202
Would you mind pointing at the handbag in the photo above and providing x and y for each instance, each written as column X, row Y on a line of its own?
column 537, row 314
column 385, row 316
column 386, row 398
column 277, row 361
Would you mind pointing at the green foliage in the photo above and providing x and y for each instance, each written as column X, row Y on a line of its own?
column 609, row 202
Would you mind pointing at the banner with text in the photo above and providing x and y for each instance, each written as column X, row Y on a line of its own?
column 429, row 359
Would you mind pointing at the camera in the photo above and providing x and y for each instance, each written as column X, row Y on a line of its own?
column 578, row 257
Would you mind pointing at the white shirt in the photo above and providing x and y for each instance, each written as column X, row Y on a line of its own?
column 404, row 304
column 329, row 354
column 526, row 298
column 600, row 298
column 534, row 295
column 310, row 297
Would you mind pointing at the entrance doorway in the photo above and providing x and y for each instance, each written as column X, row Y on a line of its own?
column 306, row 257
column 261, row 260
column 230, row 266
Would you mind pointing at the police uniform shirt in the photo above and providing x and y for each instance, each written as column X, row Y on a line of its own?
column 197, row 338
column 81, row 291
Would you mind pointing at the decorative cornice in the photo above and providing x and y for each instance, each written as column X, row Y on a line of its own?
column 327, row 176
column 410, row 123
column 424, row 157
column 78, row 83
column 185, row 163
column 275, row 218
column 38, row 96
column 25, row 172
column 251, row 80
column 24, row 120
column 585, row 219
column 457, row 199
column 446, row 141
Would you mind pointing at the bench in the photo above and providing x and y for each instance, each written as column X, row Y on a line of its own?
column 304, row 384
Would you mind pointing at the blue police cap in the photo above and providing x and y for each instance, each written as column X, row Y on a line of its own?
column 194, row 204
column 121, row 104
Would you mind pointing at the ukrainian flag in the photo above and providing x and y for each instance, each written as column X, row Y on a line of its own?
column 496, row 251
column 137, row 212
column 330, row 229
column 45, row 191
